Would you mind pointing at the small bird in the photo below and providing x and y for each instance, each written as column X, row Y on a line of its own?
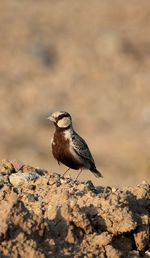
column 68, row 147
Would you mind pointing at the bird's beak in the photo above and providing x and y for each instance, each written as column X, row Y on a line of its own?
column 51, row 119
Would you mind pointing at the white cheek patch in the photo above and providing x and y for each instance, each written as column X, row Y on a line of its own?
column 64, row 122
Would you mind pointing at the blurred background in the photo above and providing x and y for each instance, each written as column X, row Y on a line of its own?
column 90, row 58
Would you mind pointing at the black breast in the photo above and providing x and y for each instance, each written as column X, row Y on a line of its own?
column 61, row 152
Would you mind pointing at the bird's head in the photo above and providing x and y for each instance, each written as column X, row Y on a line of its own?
column 61, row 119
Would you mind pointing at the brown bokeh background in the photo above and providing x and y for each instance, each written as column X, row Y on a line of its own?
column 90, row 58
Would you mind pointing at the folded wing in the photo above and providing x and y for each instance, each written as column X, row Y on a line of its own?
column 82, row 148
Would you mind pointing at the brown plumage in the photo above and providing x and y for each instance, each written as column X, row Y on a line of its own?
column 68, row 147
column 60, row 150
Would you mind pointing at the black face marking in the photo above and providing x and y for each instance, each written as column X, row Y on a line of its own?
column 65, row 114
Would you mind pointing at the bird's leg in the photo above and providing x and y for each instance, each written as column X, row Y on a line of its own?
column 66, row 171
column 79, row 173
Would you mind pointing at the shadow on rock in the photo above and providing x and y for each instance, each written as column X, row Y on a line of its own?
column 139, row 205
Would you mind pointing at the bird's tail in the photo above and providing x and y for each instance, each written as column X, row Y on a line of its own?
column 96, row 173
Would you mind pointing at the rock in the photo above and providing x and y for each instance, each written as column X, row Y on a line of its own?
column 46, row 215
column 141, row 236
column 2, row 181
column 147, row 254
column 6, row 205
column 6, row 167
column 17, row 164
column 20, row 178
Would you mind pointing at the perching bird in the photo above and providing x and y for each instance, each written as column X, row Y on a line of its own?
column 68, row 147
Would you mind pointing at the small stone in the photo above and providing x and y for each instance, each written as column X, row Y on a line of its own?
column 6, row 167
column 28, row 169
column 113, row 189
column 148, row 253
column 17, row 179
column 32, row 187
column 51, row 181
column 58, row 183
column 20, row 178
column 41, row 172
column 17, row 164
column 32, row 198
column 33, row 176
column 90, row 185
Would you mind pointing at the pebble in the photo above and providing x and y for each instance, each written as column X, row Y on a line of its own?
column 17, row 164
column 21, row 178
column 32, row 197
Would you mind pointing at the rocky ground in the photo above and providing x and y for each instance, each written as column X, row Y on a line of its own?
column 90, row 58
column 46, row 215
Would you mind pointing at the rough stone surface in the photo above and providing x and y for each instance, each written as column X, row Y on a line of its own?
column 20, row 178
column 90, row 58
column 51, row 216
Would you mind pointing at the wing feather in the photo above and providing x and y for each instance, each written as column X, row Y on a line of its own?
column 81, row 147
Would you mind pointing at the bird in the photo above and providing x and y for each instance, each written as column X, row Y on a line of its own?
column 68, row 147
